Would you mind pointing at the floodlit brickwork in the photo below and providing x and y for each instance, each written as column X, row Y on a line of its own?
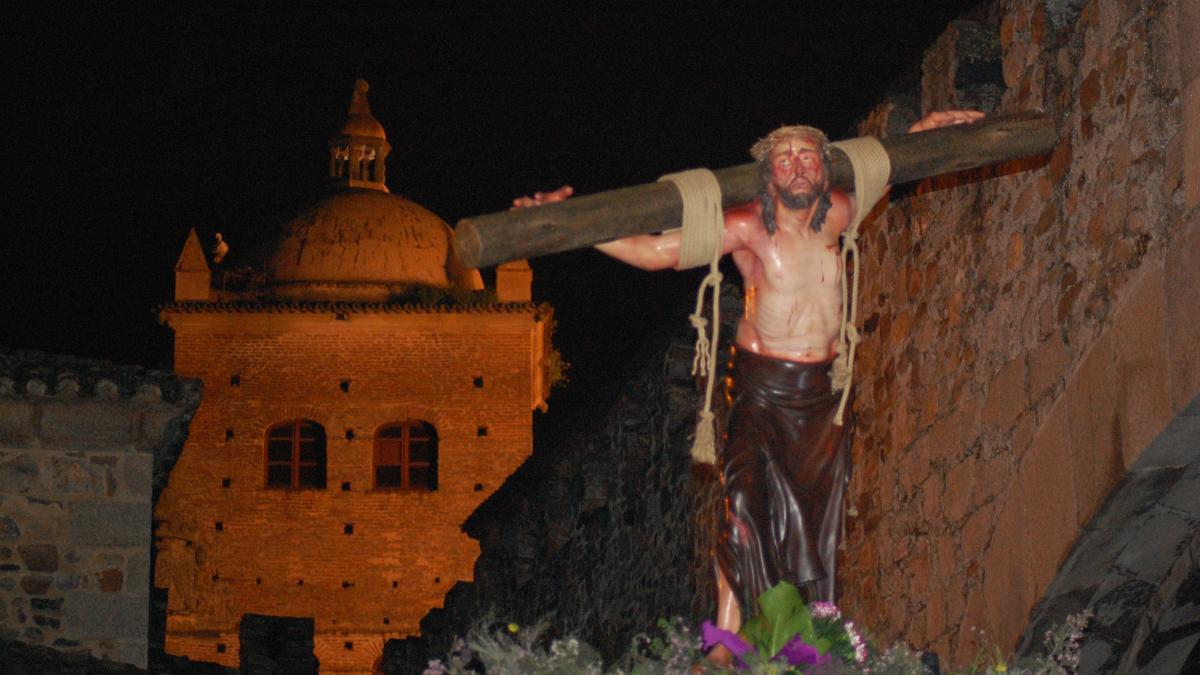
column 361, row 320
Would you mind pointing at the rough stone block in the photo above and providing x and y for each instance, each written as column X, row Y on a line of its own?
column 110, row 524
column 39, row 520
column 113, row 616
column 9, row 529
column 110, row 580
column 36, row 585
column 39, row 557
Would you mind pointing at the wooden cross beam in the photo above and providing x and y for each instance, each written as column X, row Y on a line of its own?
column 654, row 207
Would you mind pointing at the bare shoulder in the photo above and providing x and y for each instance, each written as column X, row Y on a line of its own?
column 748, row 215
column 744, row 221
column 841, row 209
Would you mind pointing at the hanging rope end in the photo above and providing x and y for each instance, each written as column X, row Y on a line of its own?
column 704, row 446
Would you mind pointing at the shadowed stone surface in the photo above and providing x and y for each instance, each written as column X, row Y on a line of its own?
column 603, row 531
column 1137, row 566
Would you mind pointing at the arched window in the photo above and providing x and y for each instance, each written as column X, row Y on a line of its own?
column 296, row 455
column 406, row 456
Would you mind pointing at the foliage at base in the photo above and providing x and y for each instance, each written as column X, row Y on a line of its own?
column 785, row 637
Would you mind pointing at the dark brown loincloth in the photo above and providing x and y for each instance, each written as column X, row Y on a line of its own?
column 785, row 468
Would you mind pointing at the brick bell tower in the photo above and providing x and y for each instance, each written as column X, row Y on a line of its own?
column 363, row 394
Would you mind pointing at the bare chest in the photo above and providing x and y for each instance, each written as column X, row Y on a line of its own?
column 797, row 265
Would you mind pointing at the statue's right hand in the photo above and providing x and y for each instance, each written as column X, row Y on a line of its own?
column 540, row 198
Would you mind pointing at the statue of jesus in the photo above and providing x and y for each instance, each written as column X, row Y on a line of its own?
column 784, row 462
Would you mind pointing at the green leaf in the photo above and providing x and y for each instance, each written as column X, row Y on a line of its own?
column 757, row 631
column 786, row 617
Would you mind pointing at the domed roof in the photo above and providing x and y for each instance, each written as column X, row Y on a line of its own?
column 362, row 245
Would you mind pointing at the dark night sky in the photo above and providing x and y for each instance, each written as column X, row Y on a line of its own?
column 124, row 130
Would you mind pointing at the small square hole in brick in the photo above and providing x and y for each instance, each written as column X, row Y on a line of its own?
column 481, row 431
column 220, row 526
column 225, row 482
column 479, row 382
column 220, row 648
column 235, row 380
column 258, row 581
column 346, row 487
column 300, row 582
column 216, row 577
column 349, row 434
column 344, row 385
column 348, row 528
column 349, row 646
column 347, row 584
column 386, row 621
column 479, row 487
column 437, row 580
column 229, row 434
column 395, row 584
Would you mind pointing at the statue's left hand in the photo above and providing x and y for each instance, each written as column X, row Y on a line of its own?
column 945, row 118
column 540, row 198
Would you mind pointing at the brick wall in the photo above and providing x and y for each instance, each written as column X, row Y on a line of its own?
column 1029, row 334
column 79, row 446
column 366, row 564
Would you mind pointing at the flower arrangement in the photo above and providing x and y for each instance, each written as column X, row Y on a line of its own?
column 787, row 631
column 787, row 637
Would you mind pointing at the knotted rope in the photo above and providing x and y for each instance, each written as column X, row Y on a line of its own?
column 702, row 234
column 872, row 168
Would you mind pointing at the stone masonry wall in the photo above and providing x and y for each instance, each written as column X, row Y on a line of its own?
column 1029, row 329
column 84, row 447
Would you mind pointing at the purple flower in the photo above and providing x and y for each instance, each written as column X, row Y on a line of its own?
column 714, row 636
column 796, row 651
column 800, row 653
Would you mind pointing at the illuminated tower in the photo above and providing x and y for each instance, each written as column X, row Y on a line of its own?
column 363, row 394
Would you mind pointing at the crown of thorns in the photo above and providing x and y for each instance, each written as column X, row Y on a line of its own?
column 763, row 147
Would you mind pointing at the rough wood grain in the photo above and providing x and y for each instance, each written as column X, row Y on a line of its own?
column 495, row 238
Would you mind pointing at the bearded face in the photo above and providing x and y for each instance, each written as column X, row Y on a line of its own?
column 796, row 171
